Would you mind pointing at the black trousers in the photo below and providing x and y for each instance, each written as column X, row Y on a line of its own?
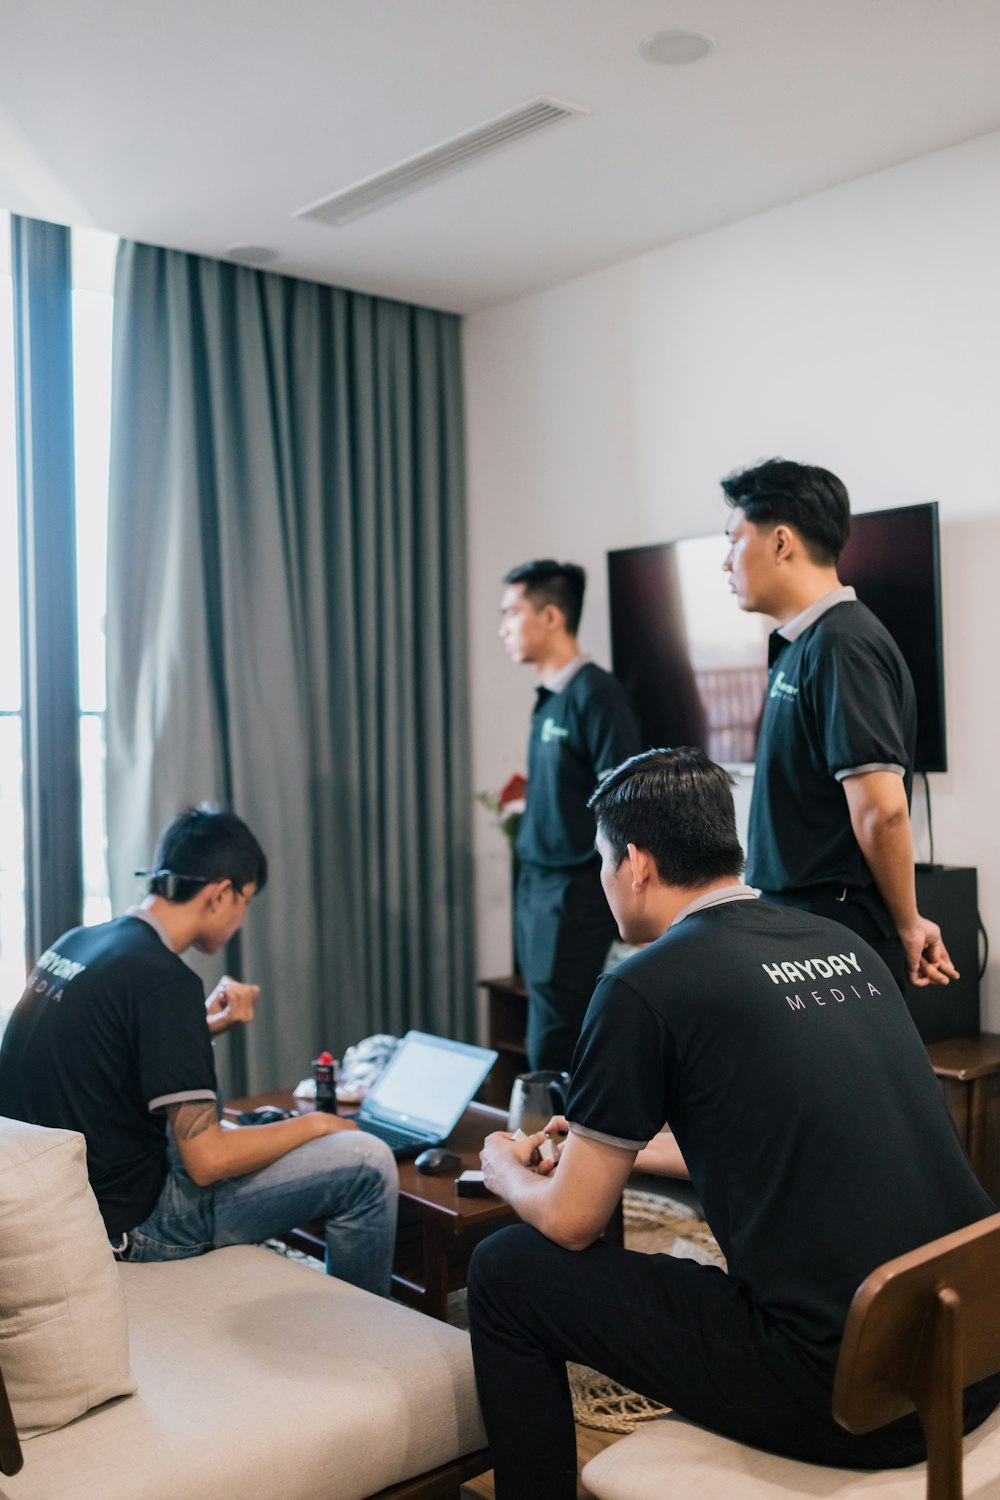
column 675, row 1331
column 564, row 931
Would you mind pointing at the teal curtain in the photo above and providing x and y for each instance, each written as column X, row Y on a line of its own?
column 286, row 635
column 46, row 495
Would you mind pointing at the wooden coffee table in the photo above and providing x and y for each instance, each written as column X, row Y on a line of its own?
column 438, row 1230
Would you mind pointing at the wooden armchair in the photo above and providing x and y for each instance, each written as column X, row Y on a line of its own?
column 920, row 1328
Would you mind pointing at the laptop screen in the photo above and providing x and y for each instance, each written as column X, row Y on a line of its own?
column 429, row 1083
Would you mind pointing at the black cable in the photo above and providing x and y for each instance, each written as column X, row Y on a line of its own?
column 986, row 945
column 930, row 825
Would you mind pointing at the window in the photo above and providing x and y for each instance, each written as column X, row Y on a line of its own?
column 11, row 802
column 93, row 273
column 93, row 279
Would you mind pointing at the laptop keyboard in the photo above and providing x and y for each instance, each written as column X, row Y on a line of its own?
column 398, row 1141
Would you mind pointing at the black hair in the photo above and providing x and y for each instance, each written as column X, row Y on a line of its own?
column 201, row 845
column 549, row 582
column 811, row 500
column 677, row 805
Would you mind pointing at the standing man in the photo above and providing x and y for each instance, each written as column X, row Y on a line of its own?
column 829, row 818
column 779, row 1050
column 581, row 726
column 112, row 1038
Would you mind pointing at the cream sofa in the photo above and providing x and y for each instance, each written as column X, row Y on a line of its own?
column 234, row 1376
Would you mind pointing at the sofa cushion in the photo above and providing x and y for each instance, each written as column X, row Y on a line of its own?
column 63, row 1328
column 261, row 1377
column 674, row 1457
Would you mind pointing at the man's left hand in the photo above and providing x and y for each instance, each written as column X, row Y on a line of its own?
column 230, row 1004
column 927, row 958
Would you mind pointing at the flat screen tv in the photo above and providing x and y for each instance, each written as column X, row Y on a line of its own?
column 695, row 666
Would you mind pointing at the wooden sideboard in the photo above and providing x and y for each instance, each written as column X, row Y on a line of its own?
column 968, row 1069
column 506, row 1013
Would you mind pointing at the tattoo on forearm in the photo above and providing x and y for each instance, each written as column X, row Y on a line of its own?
column 192, row 1117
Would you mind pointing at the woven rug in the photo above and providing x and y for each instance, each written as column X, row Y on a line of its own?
column 654, row 1225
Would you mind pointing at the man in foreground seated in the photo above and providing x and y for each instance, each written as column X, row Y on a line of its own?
column 111, row 1038
column 779, row 1050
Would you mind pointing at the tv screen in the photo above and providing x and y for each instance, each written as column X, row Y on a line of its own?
column 695, row 666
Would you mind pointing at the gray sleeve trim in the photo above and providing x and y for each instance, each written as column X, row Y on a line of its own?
column 863, row 770
column 606, row 1140
column 184, row 1097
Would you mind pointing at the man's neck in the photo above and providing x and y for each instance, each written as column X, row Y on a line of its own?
column 563, row 651
column 177, row 921
column 671, row 899
column 803, row 590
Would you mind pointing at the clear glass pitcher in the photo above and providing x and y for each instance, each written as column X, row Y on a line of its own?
column 535, row 1098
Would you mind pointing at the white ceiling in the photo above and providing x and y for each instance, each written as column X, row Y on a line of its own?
column 200, row 124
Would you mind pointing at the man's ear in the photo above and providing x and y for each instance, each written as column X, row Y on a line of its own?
column 641, row 862
column 215, row 893
column 783, row 540
column 554, row 617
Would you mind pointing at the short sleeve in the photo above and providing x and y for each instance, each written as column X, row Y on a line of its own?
column 859, row 712
column 611, row 730
column 173, row 1045
column 623, row 1069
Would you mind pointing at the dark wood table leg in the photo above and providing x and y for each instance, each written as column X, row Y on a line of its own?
column 436, row 1271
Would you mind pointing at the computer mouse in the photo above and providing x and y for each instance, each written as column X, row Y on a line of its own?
column 436, row 1159
column 264, row 1114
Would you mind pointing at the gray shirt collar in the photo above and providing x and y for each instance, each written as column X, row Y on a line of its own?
column 563, row 679
column 145, row 915
column 793, row 628
column 715, row 898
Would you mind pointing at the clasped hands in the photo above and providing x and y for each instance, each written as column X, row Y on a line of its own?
column 501, row 1153
column 230, row 1004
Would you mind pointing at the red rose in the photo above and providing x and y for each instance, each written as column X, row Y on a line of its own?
column 513, row 790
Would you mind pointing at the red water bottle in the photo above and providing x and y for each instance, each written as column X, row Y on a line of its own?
column 325, row 1074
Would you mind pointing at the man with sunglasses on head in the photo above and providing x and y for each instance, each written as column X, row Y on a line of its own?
column 113, row 1038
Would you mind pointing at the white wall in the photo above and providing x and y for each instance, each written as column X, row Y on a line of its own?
column 858, row 329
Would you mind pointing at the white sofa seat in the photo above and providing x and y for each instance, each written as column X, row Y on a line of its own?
column 670, row 1457
column 258, row 1377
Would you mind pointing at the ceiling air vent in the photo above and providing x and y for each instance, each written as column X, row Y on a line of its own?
column 371, row 193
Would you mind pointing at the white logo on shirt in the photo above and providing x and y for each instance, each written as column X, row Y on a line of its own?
column 782, row 689
column 796, row 1002
column 62, row 968
column 553, row 731
column 837, row 963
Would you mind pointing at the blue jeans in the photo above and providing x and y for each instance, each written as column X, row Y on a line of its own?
column 349, row 1179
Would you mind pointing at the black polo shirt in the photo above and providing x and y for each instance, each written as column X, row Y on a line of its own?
column 578, row 734
column 110, row 1029
column 839, row 700
column 778, row 1049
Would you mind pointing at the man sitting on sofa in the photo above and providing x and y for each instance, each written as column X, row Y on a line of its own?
column 111, row 1039
column 780, row 1051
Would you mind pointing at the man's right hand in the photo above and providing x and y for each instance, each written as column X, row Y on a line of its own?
column 230, row 1004
column 927, row 958
column 210, row 1153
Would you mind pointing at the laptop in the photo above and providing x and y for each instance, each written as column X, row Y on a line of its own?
column 424, row 1091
